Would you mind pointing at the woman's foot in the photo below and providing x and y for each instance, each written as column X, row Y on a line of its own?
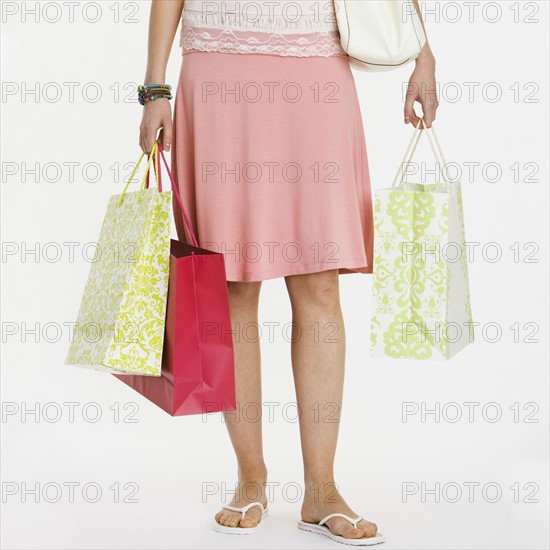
column 322, row 499
column 250, row 488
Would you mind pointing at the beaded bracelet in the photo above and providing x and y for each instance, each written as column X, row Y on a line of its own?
column 150, row 92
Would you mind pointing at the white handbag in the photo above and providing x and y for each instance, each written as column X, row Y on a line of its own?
column 379, row 35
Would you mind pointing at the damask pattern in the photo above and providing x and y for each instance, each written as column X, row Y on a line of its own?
column 120, row 323
column 413, row 281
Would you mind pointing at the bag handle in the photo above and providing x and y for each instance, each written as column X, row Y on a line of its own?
column 438, row 153
column 152, row 156
column 414, row 141
column 180, row 203
column 158, row 174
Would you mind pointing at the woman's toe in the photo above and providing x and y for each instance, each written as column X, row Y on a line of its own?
column 369, row 529
column 233, row 519
column 247, row 522
column 373, row 529
column 355, row 533
column 349, row 532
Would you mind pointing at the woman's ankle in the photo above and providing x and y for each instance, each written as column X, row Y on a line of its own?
column 320, row 487
column 252, row 472
column 319, row 479
column 251, row 485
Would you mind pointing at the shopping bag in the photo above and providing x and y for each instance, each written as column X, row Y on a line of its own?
column 420, row 291
column 198, row 372
column 120, row 322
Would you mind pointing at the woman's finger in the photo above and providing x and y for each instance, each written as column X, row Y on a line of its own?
column 167, row 136
column 161, row 136
column 414, row 119
column 141, row 141
column 429, row 108
column 151, row 136
column 410, row 115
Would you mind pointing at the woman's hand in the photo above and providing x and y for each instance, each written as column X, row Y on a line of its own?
column 422, row 88
column 156, row 114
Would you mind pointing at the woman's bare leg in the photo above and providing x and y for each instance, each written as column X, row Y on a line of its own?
column 244, row 430
column 318, row 358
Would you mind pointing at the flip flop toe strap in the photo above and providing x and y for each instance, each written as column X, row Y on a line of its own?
column 244, row 509
column 354, row 522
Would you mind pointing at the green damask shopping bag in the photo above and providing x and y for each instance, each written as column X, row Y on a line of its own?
column 421, row 298
column 120, row 323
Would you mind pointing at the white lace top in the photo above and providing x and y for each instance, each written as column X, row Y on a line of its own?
column 298, row 28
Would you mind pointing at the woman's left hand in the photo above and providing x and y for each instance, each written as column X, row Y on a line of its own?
column 422, row 88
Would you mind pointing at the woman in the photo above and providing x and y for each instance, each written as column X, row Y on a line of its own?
column 270, row 158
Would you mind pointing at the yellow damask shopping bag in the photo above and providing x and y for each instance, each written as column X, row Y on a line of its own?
column 120, row 323
column 420, row 290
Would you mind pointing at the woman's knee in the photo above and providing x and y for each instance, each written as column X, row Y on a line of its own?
column 244, row 293
column 315, row 289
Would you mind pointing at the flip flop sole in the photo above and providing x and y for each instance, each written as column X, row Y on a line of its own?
column 322, row 530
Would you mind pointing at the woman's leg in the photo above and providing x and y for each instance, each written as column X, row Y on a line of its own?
column 318, row 357
column 246, row 435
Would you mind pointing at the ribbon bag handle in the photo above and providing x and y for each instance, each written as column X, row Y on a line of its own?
column 178, row 198
column 152, row 156
column 158, row 173
column 408, row 153
column 438, row 153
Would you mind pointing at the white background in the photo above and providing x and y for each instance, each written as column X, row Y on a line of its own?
column 169, row 459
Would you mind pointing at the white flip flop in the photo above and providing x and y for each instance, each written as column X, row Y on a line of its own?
column 321, row 529
column 241, row 530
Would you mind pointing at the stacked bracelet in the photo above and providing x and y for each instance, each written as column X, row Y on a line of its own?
column 150, row 92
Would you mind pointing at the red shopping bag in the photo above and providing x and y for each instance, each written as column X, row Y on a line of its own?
column 198, row 372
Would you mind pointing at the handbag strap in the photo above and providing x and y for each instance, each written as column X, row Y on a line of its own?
column 176, row 193
column 436, row 148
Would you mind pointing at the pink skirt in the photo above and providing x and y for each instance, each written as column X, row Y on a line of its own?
column 270, row 159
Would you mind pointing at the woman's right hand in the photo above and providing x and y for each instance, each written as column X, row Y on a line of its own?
column 156, row 114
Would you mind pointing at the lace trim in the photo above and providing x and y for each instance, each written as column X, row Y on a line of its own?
column 261, row 23
column 323, row 44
